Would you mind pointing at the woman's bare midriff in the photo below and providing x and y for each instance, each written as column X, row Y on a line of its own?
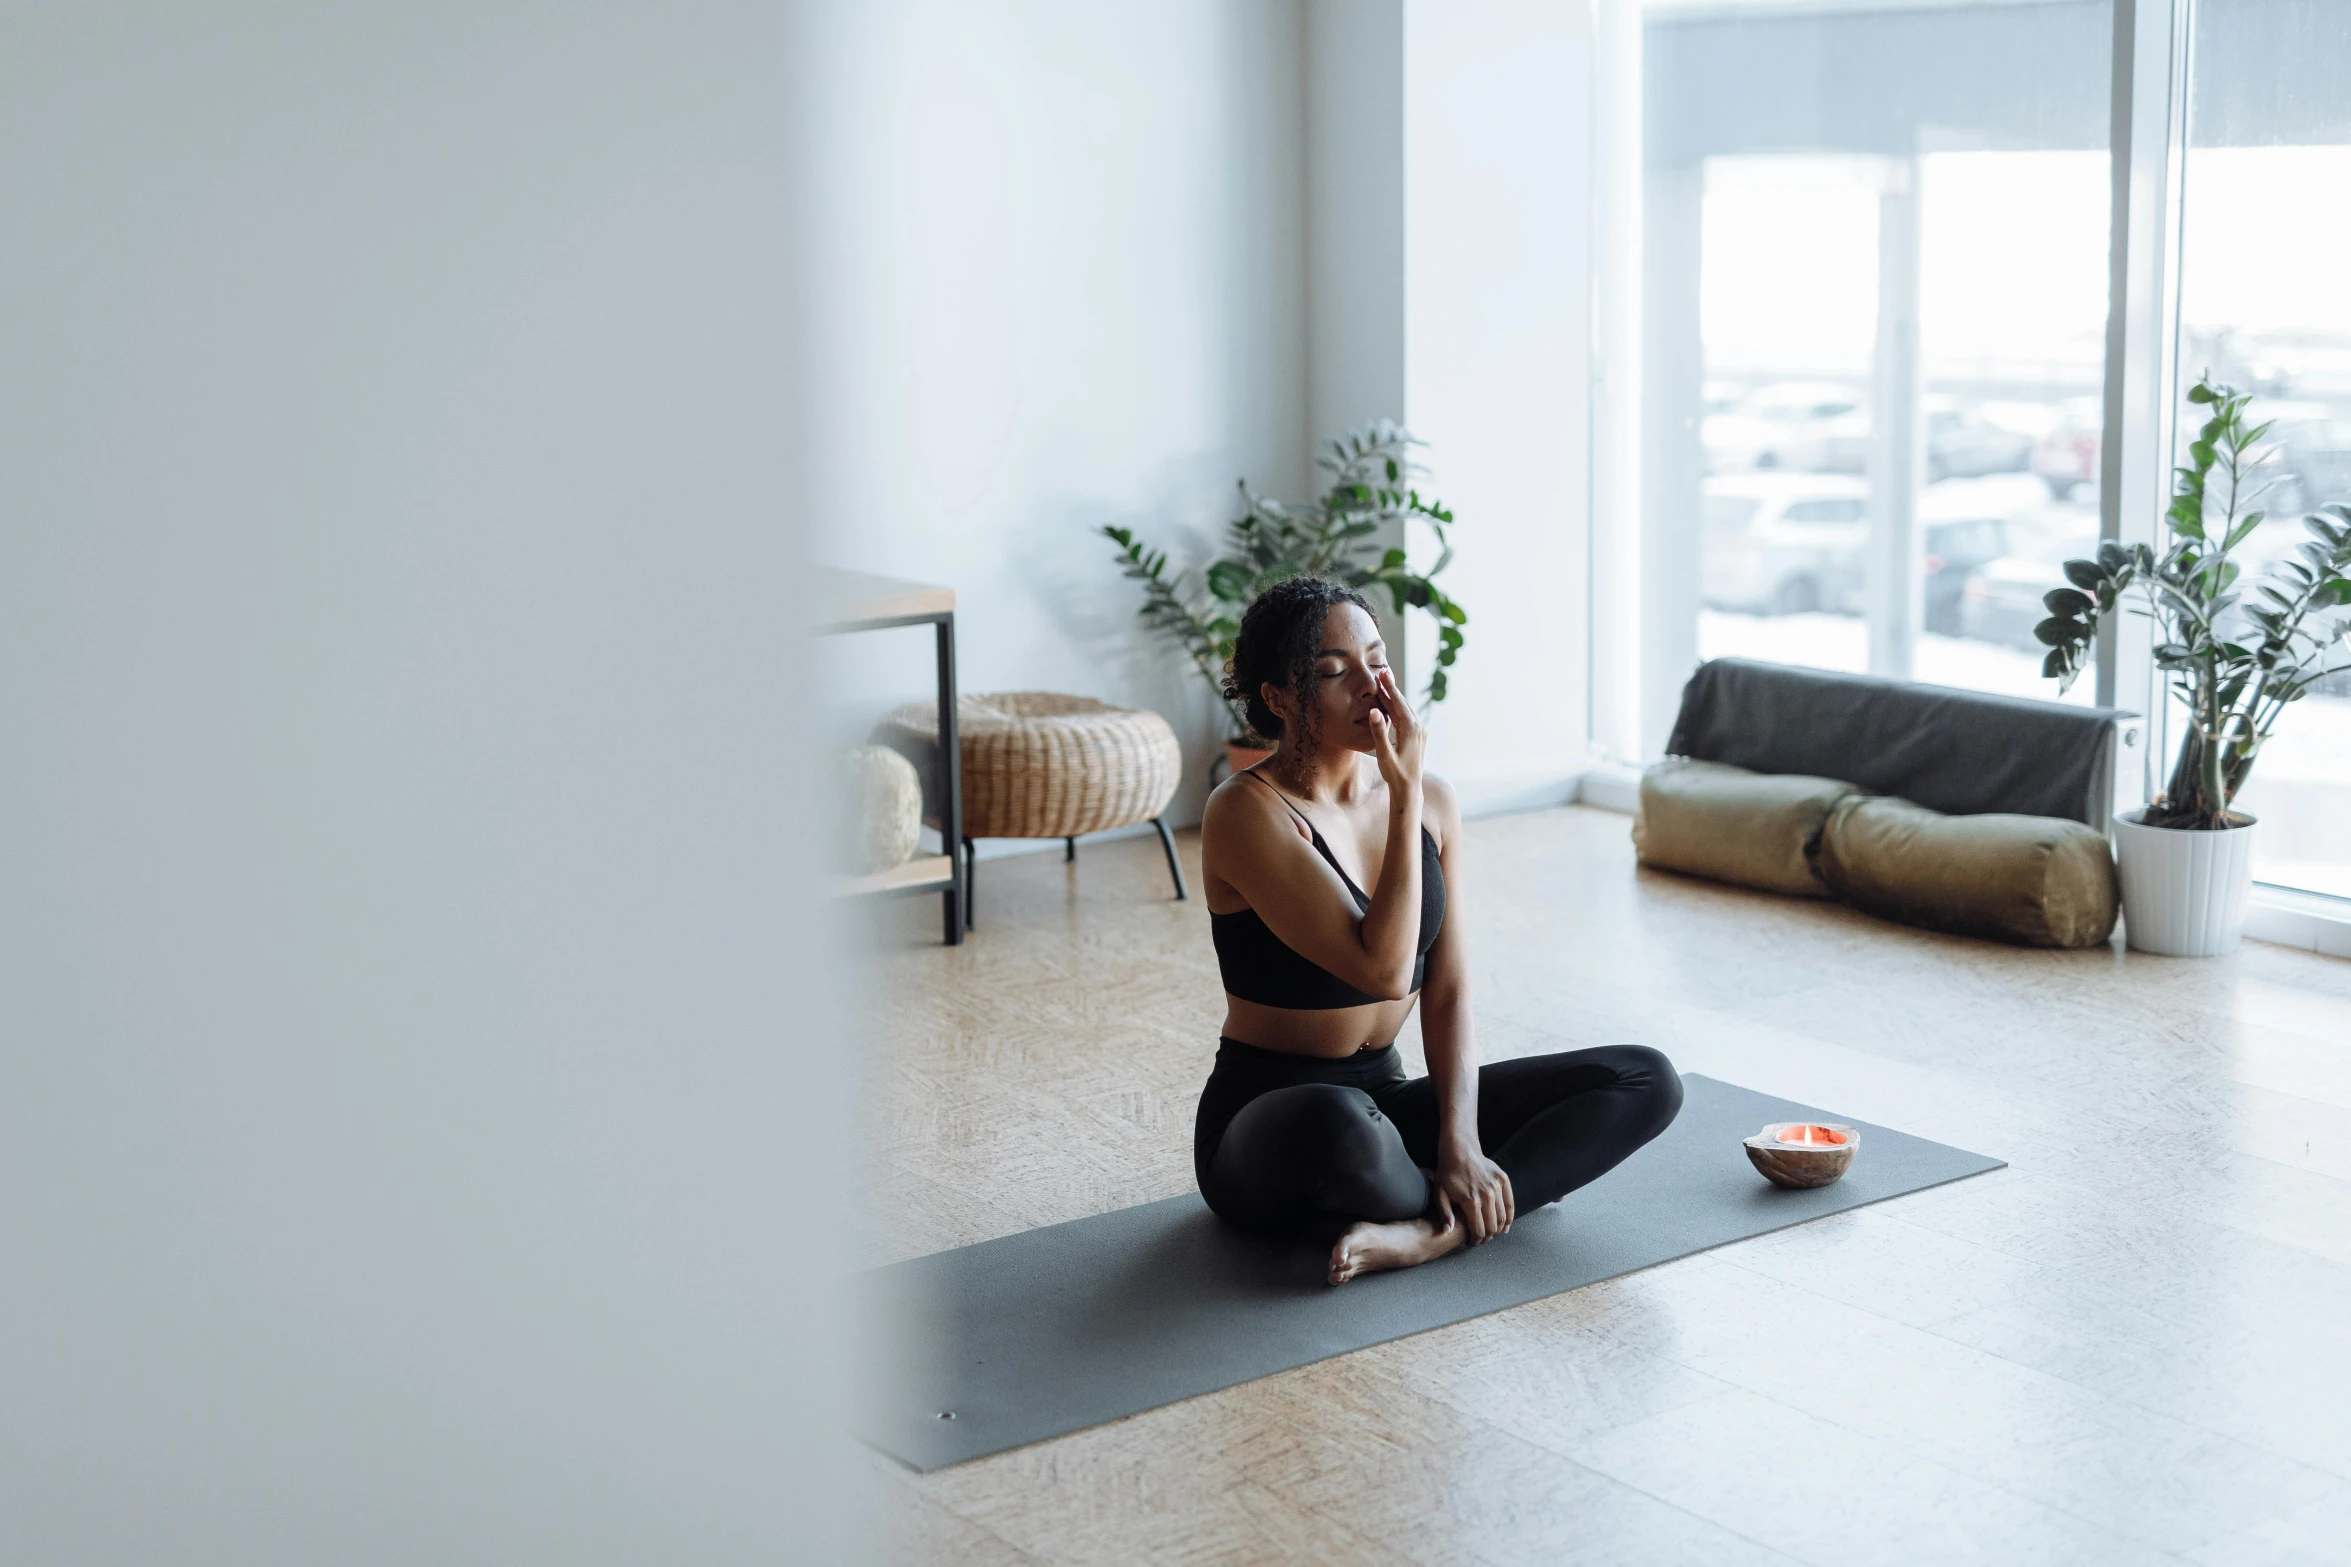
column 1338, row 1031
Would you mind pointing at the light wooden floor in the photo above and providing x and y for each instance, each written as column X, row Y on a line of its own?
column 2132, row 1345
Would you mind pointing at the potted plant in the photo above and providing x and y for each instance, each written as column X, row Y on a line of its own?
column 2234, row 660
column 1272, row 541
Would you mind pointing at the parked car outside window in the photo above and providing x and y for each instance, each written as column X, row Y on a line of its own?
column 2066, row 457
column 1775, row 425
column 1824, row 427
column 2312, row 462
column 1784, row 543
column 1955, row 552
column 1798, row 543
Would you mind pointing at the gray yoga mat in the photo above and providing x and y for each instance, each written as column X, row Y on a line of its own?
column 1034, row 1335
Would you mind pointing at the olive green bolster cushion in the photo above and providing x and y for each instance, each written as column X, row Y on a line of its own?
column 2039, row 880
column 1754, row 829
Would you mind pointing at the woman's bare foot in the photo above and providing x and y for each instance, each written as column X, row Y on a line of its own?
column 1376, row 1248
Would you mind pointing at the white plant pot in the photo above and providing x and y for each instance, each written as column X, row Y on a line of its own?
column 2183, row 893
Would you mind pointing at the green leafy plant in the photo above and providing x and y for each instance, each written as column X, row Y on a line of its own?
column 1272, row 541
column 2236, row 663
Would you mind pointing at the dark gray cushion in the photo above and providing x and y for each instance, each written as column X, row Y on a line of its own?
column 1960, row 752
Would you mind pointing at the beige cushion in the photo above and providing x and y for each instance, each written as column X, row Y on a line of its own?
column 2039, row 880
column 1755, row 829
column 882, row 801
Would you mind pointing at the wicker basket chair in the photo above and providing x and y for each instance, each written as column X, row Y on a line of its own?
column 1037, row 764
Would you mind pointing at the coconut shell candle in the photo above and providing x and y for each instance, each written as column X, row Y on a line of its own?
column 1802, row 1153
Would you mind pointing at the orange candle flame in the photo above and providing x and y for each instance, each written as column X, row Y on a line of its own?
column 1809, row 1136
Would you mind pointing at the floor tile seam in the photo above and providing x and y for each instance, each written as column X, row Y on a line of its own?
column 1771, row 1553
column 1934, row 1328
column 2270, row 1009
column 2341, row 1260
column 979, row 1084
column 1916, row 1215
column 2058, row 1272
column 2099, row 1105
column 1902, row 1444
column 1851, row 1305
column 2244, row 1534
column 2184, row 1214
column 1113, row 1153
column 1972, row 988
column 1723, row 1389
column 2341, row 1474
column 2081, row 1272
column 1028, row 1500
column 1108, row 1149
column 2211, row 1542
column 1834, row 1560
column 1509, row 1438
column 983, row 1053
column 1353, row 1534
column 1351, row 1543
column 1607, row 1481
column 2135, row 1401
column 2317, row 1101
column 2079, row 1021
column 2287, row 1165
column 921, row 1485
column 1887, row 1213
column 1720, row 1389
column 2319, row 1025
column 2197, row 1186
column 1932, row 1074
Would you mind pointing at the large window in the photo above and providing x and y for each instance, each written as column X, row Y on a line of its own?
column 1877, row 294
column 1883, row 372
column 2265, row 302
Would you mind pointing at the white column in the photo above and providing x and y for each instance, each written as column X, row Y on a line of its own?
column 1354, row 202
column 1448, row 263
column 2142, row 373
column 1674, row 461
column 1616, row 507
column 1897, row 565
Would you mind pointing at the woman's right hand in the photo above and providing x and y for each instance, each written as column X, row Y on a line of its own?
column 1398, row 740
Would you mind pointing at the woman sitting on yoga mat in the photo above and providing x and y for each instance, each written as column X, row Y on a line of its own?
column 1308, row 1121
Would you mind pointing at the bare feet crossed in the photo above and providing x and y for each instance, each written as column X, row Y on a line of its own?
column 1407, row 1243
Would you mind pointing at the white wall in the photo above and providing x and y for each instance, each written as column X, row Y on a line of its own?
column 1058, row 279
column 1355, row 248
column 1355, row 176
column 1448, row 280
column 1081, row 264
column 1497, row 344
column 413, row 1123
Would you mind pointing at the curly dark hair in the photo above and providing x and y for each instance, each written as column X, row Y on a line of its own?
column 1281, row 631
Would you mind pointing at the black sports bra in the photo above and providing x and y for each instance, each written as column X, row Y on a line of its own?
column 1259, row 966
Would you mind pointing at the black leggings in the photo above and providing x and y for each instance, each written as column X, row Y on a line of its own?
column 1288, row 1142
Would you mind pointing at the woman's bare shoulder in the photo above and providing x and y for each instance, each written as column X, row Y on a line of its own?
column 1440, row 808
column 1244, row 807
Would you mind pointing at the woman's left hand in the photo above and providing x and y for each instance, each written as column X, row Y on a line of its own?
column 1474, row 1187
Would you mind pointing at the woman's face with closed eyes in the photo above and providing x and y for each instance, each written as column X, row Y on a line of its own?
column 1348, row 661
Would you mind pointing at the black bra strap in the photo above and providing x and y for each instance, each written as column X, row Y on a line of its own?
column 1251, row 772
column 1315, row 833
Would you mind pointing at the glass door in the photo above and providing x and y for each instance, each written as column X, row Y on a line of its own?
column 2265, row 303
